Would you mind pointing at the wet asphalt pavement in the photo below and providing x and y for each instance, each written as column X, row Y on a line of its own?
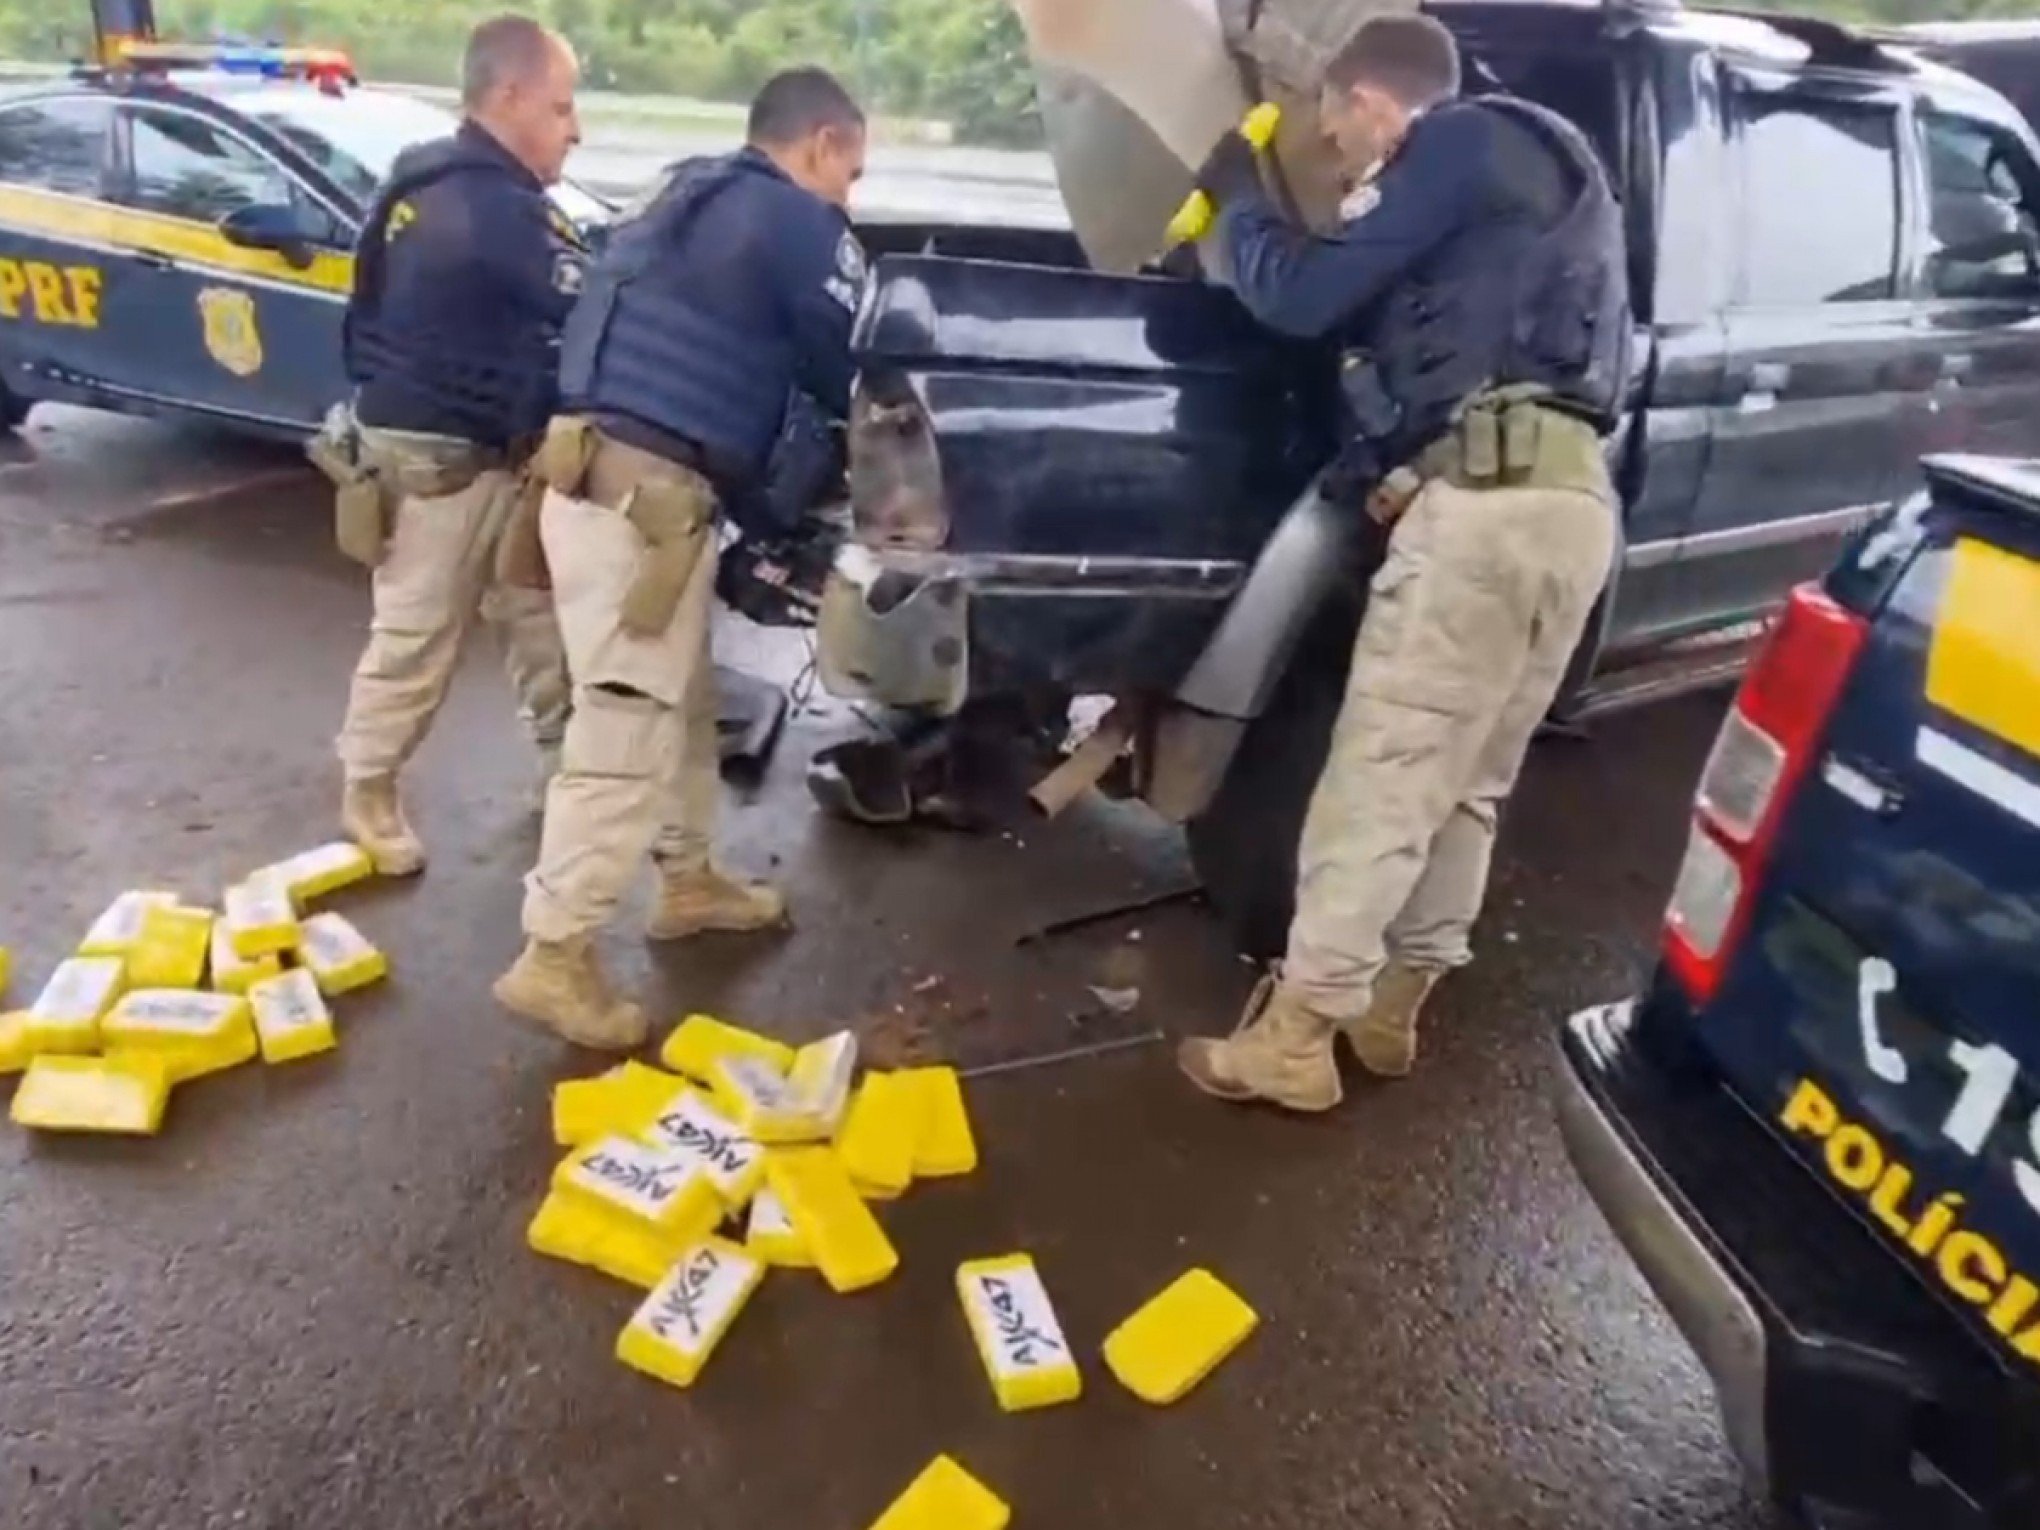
column 309, row 1304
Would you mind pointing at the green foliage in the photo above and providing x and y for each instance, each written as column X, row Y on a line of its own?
column 962, row 61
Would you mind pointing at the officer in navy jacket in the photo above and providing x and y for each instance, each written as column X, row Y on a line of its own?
column 1477, row 289
column 464, row 273
column 727, row 292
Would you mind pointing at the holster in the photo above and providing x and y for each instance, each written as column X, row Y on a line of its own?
column 361, row 515
column 560, row 461
column 673, row 516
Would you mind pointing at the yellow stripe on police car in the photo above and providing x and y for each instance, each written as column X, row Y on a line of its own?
column 1983, row 665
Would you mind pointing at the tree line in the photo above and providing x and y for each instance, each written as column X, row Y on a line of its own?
column 959, row 61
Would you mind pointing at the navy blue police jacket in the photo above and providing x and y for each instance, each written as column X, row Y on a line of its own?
column 1487, row 250
column 730, row 291
column 465, row 271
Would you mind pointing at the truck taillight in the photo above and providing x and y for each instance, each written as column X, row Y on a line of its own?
column 1764, row 749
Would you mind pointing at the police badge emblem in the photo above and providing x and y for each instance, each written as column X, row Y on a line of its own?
column 231, row 336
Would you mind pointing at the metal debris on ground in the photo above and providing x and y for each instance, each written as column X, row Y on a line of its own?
column 131, row 1016
column 1067, row 1054
column 1073, row 922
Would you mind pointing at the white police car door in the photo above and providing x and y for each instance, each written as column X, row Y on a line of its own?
column 244, row 272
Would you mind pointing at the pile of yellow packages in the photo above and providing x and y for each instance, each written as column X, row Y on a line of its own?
column 744, row 1154
column 160, row 993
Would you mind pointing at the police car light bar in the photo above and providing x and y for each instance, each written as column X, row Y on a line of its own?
column 324, row 65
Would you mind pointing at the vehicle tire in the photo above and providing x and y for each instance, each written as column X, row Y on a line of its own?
column 13, row 409
column 1243, row 845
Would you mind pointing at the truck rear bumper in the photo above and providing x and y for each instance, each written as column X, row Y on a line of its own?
column 1694, row 1285
column 1847, row 1391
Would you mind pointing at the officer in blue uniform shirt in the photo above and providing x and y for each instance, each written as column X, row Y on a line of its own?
column 464, row 273
column 1477, row 289
column 728, row 291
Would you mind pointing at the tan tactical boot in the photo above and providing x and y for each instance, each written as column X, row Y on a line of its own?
column 561, row 986
column 1385, row 1038
column 372, row 814
column 1280, row 1052
column 691, row 902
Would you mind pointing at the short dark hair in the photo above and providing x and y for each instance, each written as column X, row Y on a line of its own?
column 502, row 49
column 797, row 102
column 1414, row 58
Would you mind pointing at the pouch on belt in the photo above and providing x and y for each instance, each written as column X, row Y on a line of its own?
column 360, row 514
column 673, row 516
column 561, row 462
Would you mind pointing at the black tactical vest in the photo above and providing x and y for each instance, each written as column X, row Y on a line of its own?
column 1503, row 303
column 647, row 342
column 489, row 383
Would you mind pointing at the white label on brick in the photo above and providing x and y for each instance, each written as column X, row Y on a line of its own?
column 645, row 1181
column 171, row 1009
column 260, row 903
column 80, row 989
column 121, row 925
column 694, row 1303
column 289, row 1003
column 1012, row 1307
column 768, row 1216
column 330, row 941
column 225, row 959
column 726, row 1154
column 332, row 860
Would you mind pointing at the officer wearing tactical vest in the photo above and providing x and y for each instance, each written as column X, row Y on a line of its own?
column 1478, row 285
column 464, row 273
column 729, row 290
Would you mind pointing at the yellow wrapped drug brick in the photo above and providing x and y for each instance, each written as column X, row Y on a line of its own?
column 171, row 950
column 772, row 1236
column 882, row 1133
column 315, row 873
column 631, row 1252
column 291, row 1018
column 945, row 1497
column 14, row 1049
column 338, row 956
column 260, row 918
column 616, row 1103
column 115, row 932
column 659, row 1188
column 849, row 1247
column 125, row 1094
column 806, row 1104
column 191, row 1034
column 1179, row 1338
column 733, row 1160
column 699, row 1042
column 1018, row 1337
column 947, row 1145
column 672, row 1335
column 66, row 1014
column 230, row 972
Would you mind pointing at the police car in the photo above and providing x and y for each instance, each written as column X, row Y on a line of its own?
column 1818, row 1132
column 176, row 230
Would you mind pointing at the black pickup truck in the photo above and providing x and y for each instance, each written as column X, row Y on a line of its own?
column 1066, row 481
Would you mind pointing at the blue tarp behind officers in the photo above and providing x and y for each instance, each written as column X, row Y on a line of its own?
column 464, row 273
column 1478, row 286
column 728, row 290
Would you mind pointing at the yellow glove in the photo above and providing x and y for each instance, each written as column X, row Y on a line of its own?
column 1194, row 218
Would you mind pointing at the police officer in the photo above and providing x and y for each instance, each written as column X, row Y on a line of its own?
column 1477, row 286
column 728, row 290
column 463, row 275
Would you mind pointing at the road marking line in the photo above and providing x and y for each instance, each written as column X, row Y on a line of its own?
column 223, row 490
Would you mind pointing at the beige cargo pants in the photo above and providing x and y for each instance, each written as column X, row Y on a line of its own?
column 438, row 570
column 639, row 771
column 1470, row 624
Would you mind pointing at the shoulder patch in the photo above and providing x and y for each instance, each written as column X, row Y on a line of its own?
column 1359, row 202
column 850, row 259
column 569, row 272
column 401, row 217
